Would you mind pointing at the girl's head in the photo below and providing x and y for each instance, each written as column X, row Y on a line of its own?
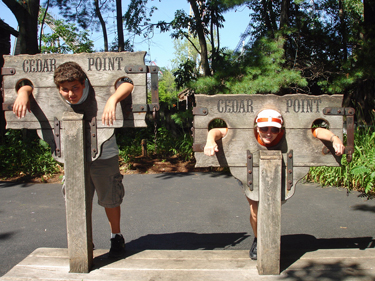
column 269, row 123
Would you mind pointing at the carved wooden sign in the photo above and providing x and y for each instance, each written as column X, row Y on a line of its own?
column 299, row 147
column 103, row 70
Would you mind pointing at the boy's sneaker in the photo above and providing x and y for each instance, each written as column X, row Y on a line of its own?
column 253, row 250
column 117, row 247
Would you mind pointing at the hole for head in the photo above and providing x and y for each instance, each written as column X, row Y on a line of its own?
column 217, row 123
column 123, row 80
column 320, row 123
column 23, row 82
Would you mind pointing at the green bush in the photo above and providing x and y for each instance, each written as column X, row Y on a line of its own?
column 359, row 174
column 23, row 152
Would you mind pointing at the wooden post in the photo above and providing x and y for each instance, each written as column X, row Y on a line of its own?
column 78, row 199
column 144, row 147
column 269, row 212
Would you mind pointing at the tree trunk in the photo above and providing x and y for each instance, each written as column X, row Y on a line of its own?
column 26, row 14
column 102, row 23
column 202, row 39
column 120, row 30
column 284, row 16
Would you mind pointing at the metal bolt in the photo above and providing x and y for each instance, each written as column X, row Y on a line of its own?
column 339, row 111
column 58, row 150
column 142, row 107
column 249, row 157
column 130, row 69
column 249, row 182
column 250, row 171
column 290, row 171
column 290, row 181
column 204, row 111
column 94, row 150
column 290, row 155
column 141, row 69
column 94, row 135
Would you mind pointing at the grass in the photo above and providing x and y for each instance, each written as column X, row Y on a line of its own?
column 359, row 174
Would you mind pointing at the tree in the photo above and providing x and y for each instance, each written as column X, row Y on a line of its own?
column 86, row 13
column 65, row 37
column 26, row 13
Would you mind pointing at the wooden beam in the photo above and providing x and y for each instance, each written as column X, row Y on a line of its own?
column 269, row 212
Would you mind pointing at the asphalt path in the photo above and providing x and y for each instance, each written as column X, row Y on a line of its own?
column 184, row 211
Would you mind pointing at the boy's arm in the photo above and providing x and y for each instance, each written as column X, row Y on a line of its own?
column 109, row 113
column 327, row 135
column 213, row 135
column 22, row 102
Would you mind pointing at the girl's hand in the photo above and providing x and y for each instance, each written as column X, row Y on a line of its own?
column 22, row 102
column 338, row 146
column 210, row 148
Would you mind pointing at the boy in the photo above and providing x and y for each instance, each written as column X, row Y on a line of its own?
column 268, row 133
column 106, row 179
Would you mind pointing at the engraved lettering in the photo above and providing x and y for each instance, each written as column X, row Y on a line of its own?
column 25, row 66
column 296, row 106
column 119, row 59
column 98, row 64
column 91, row 63
column 111, row 63
column 39, row 65
column 309, row 105
column 242, row 106
column 227, row 106
column 32, row 65
column 289, row 103
column 220, row 107
column 250, row 106
column 235, row 106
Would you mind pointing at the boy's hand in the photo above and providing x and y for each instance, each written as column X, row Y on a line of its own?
column 211, row 148
column 22, row 102
column 109, row 112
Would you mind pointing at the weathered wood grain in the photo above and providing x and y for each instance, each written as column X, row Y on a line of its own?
column 269, row 212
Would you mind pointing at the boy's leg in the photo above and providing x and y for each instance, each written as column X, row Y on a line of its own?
column 114, row 215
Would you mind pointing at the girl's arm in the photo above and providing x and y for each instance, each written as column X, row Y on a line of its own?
column 327, row 135
column 22, row 102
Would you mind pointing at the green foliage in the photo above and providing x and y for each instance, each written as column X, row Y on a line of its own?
column 65, row 38
column 26, row 155
column 261, row 71
column 359, row 174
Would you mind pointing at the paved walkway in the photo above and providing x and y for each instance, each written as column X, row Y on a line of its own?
column 189, row 227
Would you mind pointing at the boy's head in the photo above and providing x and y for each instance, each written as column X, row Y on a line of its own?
column 70, row 80
column 269, row 123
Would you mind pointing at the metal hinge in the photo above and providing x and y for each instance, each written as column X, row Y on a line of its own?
column 57, row 134
column 289, row 170
column 202, row 111
column 250, row 170
column 8, row 71
column 153, row 70
column 94, row 137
